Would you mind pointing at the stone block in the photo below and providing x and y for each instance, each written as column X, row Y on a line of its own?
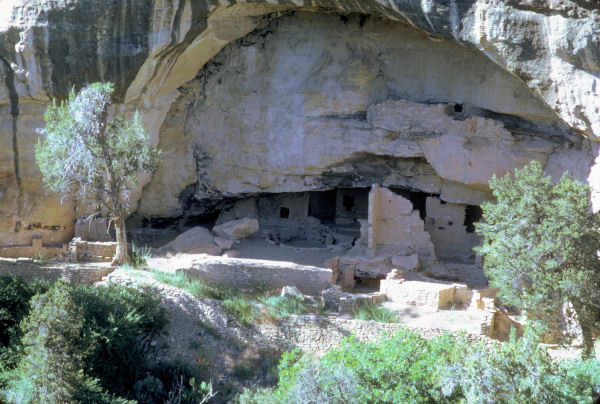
column 198, row 240
column 246, row 273
column 236, row 229
column 224, row 243
column 407, row 263
column 287, row 291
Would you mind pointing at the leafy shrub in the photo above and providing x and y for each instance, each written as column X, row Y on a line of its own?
column 120, row 320
column 14, row 305
column 148, row 390
column 80, row 343
column 373, row 311
column 540, row 244
column 278, row 307
column 243, row 370
column 55, row 346
column 182, row 383
column 406, row 368
column 40, row 257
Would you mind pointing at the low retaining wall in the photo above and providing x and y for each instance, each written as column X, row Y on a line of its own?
column 28, row 271
column 248, row 273
column 309, row 332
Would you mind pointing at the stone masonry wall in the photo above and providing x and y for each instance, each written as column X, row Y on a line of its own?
column 79, row 275
column 92, row 250
column 309, row 332
column 395, row 228
column 247, row 273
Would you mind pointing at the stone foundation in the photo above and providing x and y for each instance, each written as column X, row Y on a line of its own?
column 309, row 332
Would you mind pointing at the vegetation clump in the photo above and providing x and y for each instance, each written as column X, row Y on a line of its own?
column 406, row 368
column 540, row 247
column 85, row 344
column 247, row 308
column 376, row 312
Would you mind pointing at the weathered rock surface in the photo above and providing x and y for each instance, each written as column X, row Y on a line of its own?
column 308, row 101
column 198, row 240
column 236, row 229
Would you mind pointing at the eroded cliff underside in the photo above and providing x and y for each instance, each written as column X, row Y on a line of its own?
column 257, row 98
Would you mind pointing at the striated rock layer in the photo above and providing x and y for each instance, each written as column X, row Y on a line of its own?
column 287, row 96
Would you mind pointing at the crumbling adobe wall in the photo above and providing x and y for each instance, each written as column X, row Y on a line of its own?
column 395, row 228
column 445, row 222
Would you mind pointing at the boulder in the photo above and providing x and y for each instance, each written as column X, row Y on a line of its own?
column 224, row 243
column 198, row 240
column 291, row 291
column 236, row 229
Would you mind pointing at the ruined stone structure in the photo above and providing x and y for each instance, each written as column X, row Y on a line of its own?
column 269, row 99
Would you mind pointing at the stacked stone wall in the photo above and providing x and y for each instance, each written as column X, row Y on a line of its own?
column 28, row 271
column 308, row 332
column 82, row 251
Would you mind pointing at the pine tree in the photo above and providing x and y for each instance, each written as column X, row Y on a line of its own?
column 541, row 244
column 55, row 347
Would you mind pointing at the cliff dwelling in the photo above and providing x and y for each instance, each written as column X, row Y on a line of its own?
column 323, row 173
column 293, row 123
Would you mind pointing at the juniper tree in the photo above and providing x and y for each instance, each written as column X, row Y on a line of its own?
column 55, row 348
column 540, row 246
column 84, row 154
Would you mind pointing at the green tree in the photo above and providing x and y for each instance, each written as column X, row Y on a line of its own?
column 540, row 246
column 84, row 154
column 55, row 348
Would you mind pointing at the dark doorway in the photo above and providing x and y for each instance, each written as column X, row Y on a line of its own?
column 473, row 214
column 321, row 204
column 284, row 212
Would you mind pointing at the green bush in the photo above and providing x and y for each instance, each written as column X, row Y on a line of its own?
column 14, row 305
column 540, row 244
column 52, row 370
column 374, row 311
column 120, row 320
column 79, row 343
column 278, row 307
column 406, row 368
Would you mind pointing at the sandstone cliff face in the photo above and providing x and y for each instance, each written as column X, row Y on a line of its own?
column 315, row 99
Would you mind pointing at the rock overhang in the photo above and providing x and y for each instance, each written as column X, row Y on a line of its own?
column 151, row 49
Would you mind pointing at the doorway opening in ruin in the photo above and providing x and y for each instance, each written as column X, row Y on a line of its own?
column 473, row 214
column 321, row 205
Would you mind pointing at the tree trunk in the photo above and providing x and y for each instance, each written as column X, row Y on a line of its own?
column 121, row 256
